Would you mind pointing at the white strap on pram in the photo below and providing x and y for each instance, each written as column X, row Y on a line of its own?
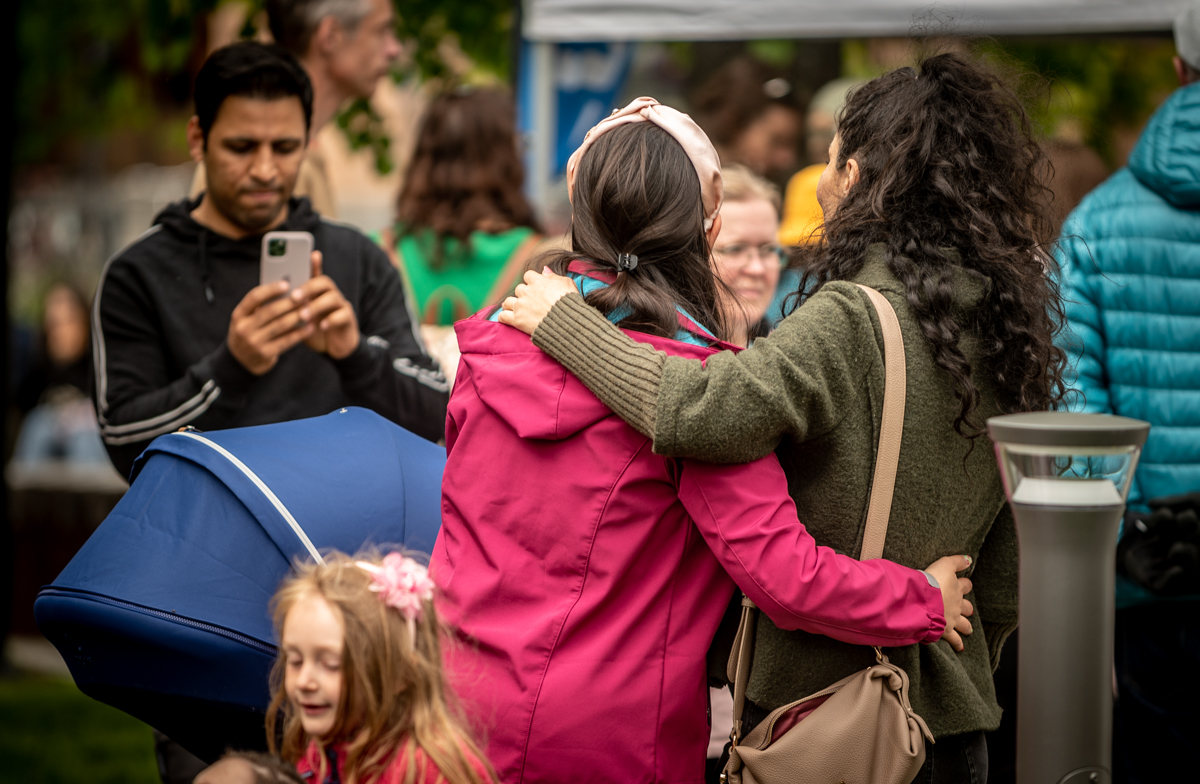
column 261, row 485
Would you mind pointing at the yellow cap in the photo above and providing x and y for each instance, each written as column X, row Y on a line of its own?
column 801, row 213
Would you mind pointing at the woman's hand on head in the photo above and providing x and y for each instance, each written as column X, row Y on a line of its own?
column 532, row 300
column 957, row 608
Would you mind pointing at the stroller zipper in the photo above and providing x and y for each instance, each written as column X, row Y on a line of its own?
column 229, row 634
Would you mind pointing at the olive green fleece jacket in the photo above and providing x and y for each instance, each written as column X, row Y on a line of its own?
column 813, row 392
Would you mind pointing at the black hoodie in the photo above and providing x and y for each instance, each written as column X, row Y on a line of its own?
column 161, row 318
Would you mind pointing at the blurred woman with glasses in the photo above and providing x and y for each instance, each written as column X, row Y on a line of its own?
column 747, row 256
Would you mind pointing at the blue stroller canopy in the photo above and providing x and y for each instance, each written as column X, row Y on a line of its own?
column 163, row 612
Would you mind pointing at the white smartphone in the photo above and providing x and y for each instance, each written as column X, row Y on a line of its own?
column 286, row 255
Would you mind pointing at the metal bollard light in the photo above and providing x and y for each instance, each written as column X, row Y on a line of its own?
column 1067, row 477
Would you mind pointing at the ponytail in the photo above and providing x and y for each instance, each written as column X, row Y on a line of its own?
column 637, row 197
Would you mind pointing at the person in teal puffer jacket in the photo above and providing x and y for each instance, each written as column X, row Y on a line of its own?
column 1130, row 264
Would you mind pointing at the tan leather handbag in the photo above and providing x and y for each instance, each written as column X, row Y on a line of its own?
column 860, row 730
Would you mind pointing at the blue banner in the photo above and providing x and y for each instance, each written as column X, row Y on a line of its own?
column 585, row 84
column 588, row 82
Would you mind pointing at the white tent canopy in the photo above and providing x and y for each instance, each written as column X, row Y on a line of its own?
column 701, row 20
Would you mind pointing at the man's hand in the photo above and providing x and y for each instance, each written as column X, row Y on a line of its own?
column 263, row 326
column 954, row 588
column 532, row 300
column 322, row 305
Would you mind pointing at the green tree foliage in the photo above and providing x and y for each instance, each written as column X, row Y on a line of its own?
column 89, row 67
column 1089, row 87
column 1078, row 88
column 481, row 28
column 364, row 130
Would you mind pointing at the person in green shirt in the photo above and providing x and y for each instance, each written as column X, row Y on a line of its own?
column 464, row 229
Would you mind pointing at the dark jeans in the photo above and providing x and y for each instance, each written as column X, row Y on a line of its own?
column 1002, row 744
column 957, row 759
column 714, row 767
column 1157, row 717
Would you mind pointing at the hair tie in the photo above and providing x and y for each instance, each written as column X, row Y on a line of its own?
column 626, row 261
column 402, row 584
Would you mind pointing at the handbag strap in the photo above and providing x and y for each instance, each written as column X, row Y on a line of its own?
column 743, row 646
column 879, row 508
column 891, row 428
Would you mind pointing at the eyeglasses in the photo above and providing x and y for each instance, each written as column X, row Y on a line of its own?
column 771, row 253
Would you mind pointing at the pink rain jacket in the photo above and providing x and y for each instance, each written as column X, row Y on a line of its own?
column 586, row 575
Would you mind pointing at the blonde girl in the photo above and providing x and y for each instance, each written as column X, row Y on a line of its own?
column 358, row 684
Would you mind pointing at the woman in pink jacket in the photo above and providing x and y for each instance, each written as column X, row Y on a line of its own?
column 585, row 605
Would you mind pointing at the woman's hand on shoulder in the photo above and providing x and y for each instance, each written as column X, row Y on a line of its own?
column 957, row 608
column 532, row 300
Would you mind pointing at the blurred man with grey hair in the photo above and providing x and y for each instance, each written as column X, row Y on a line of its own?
column 346, row 47
column 1130, row 265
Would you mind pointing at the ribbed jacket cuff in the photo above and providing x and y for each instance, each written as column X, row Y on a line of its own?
column 625, row 375
column 358, row 363
column 230, row 375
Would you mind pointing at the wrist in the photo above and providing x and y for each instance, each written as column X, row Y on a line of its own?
column 246, row 362
column 229, row 372
column 935, row 608
column 357, row 364
column 547, row 328
column 339, row 352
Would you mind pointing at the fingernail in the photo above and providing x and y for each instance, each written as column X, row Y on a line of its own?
column 304, row 314
column 970, row 560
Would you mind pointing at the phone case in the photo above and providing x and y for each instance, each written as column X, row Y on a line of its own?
column 286, row 255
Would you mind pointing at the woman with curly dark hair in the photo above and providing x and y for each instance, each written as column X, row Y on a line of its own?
column 932, row 196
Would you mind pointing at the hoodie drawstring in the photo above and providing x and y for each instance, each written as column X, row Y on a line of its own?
column 204, row 277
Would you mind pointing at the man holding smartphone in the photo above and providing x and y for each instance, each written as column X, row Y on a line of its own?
column 184, row 333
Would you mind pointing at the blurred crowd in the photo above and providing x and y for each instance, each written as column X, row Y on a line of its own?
column 463, row 229
column 182, row 331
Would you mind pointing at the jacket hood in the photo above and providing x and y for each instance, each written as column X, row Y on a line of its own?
column 530, row 391
column 177, row 219
column 1166, row 158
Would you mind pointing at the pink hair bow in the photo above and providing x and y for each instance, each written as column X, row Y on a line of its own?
column 401, row 583
column 683, row 129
